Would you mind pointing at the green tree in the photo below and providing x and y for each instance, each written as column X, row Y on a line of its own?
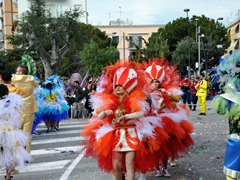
column 180, row 56
column 157, row 46
column 73, row 62
column 3, row 61
column 95, row 58
column 57, row 42
column 51, row 38
column 214, row 33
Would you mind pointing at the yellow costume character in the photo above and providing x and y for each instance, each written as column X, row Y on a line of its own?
column 201, row 88
column 30, row 106
column 6, row 80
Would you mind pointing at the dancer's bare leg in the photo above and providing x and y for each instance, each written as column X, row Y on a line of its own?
column 117, row 165
column 129, row 158
column 48, row 124
column 8, row 174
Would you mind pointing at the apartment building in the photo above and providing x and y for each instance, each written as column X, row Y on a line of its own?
column 124, row 34
column 234, row 35
column 8, row 15
column 57, row 7
column 11, row 10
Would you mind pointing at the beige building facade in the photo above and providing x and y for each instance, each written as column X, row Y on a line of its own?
column 8, row 16
column 234, row 35
column 134, row 33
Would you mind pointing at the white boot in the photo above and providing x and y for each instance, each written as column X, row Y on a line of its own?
column 142, row 177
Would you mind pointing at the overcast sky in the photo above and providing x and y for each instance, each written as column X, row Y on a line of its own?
column 159, row 11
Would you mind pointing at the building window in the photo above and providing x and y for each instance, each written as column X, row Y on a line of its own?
column 115, row 38
column 15, row 2
column 55, row 9
column 1, row 36
column 78, row 6
column 59, row 10
column 136, row 40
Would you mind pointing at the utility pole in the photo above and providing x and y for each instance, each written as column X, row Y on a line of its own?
column 189, row 65
column 199, row 55
column 123, row 45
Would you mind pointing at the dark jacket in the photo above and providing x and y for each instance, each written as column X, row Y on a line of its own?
column 79, row 95
column 185, row 85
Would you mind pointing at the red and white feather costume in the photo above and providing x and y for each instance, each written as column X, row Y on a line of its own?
column 172, row 114
column 152, row 135
column 133, row 134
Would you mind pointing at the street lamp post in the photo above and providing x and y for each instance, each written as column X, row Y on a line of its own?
column 187, row 10
column 204, row 50
column 199, row 55
column 196, row 30
column 124, row 45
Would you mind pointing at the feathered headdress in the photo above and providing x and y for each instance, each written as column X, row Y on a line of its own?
column 127, row 73
column 159, row 68
column 155, row 72
column 30, row 63
column 126, row 77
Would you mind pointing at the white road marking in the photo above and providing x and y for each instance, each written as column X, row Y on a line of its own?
column 71, row 167
column 56, row 140
column 43, row 166
column 54, row 165
column 62, row 127
column 55, row 150
column 59, row 133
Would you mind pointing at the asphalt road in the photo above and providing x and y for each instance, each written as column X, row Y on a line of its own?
column 58, row 156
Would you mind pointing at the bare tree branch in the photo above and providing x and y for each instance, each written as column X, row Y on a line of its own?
column 33, row 41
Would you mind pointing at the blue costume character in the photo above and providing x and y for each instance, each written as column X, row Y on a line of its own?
column 54, row 107
column 228, row 103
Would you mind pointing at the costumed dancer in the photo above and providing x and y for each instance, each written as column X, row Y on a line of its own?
column 7, row 80
column 38, row 116
column 23, row 80
column 116, row 133
column 165, row 96
column 228, row 104
column 60, row 97
column 12, row 139
column 54, row 105
column 32, row 70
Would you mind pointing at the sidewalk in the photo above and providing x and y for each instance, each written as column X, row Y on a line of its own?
column 206, row 156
